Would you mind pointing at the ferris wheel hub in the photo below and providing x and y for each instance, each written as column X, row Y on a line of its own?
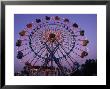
column 52, row 37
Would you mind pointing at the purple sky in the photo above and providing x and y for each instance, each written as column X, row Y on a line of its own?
column 88, row 22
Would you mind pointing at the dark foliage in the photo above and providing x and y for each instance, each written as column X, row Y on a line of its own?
column 87, row 69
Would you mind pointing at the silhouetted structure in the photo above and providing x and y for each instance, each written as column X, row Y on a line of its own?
column 87, row 69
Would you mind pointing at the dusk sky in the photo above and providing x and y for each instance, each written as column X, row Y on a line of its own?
column 88, row 22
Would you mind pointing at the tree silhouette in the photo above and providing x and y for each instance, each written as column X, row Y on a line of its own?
column 89, row 68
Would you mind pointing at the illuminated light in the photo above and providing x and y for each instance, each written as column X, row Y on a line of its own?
column 83, row 54
column 22, row 33
column 85, row 42
column 57, row 18
column 29, row 25
column 58, row 35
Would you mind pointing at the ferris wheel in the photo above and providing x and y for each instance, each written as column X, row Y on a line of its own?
column 51, row 45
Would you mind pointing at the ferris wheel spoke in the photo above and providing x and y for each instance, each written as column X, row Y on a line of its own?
column 55, row 49
column 32, row 60
column 59, row 65
column 69, row 64
column 42, row 51
column 67, row 54
column 39, row 50
column 32, row 48
column 58, row 53
column 66, row 58
column 48, row 49
column 35, row 62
